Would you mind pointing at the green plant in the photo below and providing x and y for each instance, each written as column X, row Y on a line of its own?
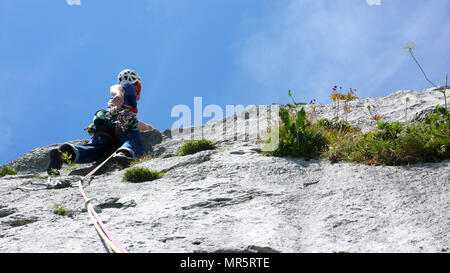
column 372, row 112
column 338, row 96
column 297, row 136
column 439, row 122
column 377, row 117
column 141, row 175
column 54, row 172
column 389, row 130
column 195, row 146
column 341, row 125
column 313, row 116
column 410, row 46
column 296, row 104
column 407, row 100
column 6, row 170
column 68, row 158
column 60, row 210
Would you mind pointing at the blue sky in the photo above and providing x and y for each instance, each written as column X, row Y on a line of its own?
column 57, row 60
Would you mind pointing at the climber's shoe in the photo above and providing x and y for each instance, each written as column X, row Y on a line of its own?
column 122, row 159
column 56, row 162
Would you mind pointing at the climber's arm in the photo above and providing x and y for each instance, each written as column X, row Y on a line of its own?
column 144, row 127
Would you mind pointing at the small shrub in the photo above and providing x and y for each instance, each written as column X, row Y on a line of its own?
column 141, row 175
column 195, row 146
column 297, row 136
column 307, row 143
column 6, row 170
column 341, row 125
column 389, row 130
column 61, row 210
column 68, row 159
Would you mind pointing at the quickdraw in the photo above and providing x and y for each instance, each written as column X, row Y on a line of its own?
column 123, row 119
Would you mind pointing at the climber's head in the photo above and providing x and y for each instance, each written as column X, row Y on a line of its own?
column 130, row 76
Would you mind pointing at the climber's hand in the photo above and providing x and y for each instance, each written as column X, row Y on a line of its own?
column 116, row 101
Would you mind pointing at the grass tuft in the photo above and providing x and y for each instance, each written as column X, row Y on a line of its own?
column 6, row 170
column 59, row 209
column 195, row 146
column 137, row 175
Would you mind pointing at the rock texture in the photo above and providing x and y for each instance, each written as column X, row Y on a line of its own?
column 233, row 199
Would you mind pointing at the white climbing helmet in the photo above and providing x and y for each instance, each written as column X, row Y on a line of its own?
column 128, row 75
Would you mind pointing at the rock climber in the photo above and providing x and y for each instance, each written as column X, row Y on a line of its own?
column 114, row 128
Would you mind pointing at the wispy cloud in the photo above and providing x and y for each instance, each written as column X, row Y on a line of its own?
column 73, row 2
column 374, row 2
column 311, row 45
